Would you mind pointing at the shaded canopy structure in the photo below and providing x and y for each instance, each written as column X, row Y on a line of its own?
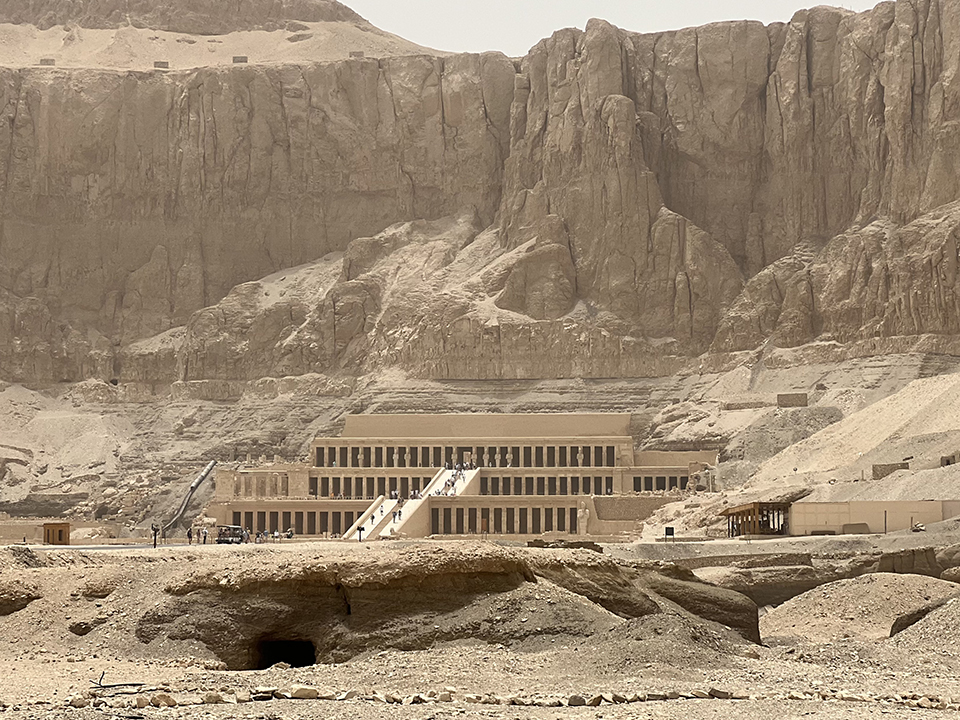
column 758, row 518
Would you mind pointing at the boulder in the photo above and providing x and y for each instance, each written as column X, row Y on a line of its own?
column 727, row 607
column 16, row 594
column 771, row 585
column 948, row 556
column 163, row 700
column 918, row 561
column 630, row 588
column 598, row 579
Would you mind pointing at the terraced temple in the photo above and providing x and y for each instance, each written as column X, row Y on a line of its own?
column 524, row 475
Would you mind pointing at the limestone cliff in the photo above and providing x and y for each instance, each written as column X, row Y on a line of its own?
column 132, row 200
column 612, row 204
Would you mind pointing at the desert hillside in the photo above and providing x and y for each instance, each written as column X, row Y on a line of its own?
column 197, row 17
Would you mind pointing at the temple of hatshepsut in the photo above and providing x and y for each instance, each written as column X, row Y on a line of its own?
column 520, row 475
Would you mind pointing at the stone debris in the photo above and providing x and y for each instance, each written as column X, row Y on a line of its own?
column 163, row 700
column 306, row 692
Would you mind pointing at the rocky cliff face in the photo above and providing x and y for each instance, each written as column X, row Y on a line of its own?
column 611, row 205
column 132, row 200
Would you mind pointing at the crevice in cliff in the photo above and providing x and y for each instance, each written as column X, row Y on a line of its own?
column 12, row 121
column 443, row 107
column 696, row 60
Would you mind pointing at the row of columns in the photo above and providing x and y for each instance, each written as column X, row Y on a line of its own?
column 367, row 488
column 544, row 485
column 758, row 519
column 327, row 523
column 652, row 483
column 435, row 456
column 458, row 520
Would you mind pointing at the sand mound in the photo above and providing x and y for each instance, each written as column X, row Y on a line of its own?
column 938, row 631
column 675, row 640
column 15, row 594
column 865, row 607
column 231, row 605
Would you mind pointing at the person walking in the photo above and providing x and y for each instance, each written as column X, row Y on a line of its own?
column 205, row 532
column 156, row 531
column 189, row 536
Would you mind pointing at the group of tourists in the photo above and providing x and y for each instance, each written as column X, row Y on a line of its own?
column 414, row 495
column 200, row 533
column 459, row 473
column 263, row 537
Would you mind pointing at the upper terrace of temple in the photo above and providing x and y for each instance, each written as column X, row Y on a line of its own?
column 487, row 425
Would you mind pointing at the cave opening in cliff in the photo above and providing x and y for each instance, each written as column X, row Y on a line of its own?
column 270, row 651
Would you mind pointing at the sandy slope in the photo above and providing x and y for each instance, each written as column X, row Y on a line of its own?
column 138, row 48
column 921, row 420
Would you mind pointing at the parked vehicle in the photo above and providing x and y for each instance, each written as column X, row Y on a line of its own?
column 229, row 535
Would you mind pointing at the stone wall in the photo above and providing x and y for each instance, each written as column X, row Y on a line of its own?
column 882, row 470
column 624, row 507
column 792, row 400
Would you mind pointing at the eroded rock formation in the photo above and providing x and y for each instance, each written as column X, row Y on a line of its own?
column 352, row 604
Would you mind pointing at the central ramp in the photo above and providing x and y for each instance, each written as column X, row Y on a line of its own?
column 416, row 513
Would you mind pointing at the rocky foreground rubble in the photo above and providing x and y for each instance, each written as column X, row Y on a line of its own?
column 164, row 697
column 427, row 629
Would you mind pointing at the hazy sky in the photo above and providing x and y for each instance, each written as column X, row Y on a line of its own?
column 514, row 26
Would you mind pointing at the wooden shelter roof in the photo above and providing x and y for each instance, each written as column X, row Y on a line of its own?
column 756, row 507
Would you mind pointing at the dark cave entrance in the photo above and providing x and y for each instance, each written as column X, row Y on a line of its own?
column 270, row 651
